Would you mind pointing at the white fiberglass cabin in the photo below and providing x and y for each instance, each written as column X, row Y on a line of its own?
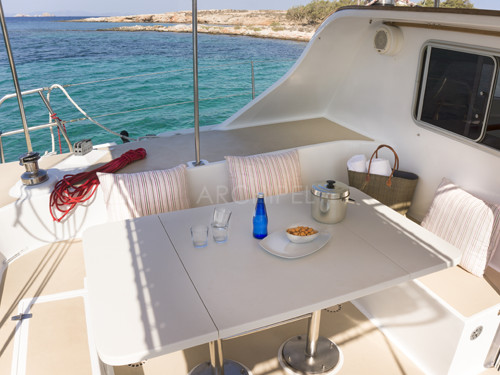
column 423, row 80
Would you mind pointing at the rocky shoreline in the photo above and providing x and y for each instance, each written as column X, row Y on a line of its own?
column 254, row 23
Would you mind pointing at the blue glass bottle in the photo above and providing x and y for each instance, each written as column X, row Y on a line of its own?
column 260, row 218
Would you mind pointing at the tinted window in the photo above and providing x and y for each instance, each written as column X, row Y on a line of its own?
column 492, row 136
column 455, row 92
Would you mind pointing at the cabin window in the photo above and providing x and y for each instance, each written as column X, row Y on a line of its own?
column 458, row 94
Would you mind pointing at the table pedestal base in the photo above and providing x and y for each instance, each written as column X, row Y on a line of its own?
column 311, row 355
column 230, row 368
column 292, row 356
column 218, row 365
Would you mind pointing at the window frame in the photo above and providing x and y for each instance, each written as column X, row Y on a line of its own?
column 421, row 84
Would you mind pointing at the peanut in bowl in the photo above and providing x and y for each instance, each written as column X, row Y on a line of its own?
column 301, row 234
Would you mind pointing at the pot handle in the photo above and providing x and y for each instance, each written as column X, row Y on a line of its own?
column 324, row 206
column 394, row 168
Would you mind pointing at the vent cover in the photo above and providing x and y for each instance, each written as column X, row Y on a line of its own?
column 388, row 40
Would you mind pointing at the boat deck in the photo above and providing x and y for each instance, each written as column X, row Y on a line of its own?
column 170, row 151
column 57, row 341
column 215, row 144
column 57, row 336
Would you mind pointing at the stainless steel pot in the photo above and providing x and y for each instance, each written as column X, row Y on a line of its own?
column 329, row 201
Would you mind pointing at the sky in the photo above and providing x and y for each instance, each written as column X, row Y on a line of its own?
column 132, row 7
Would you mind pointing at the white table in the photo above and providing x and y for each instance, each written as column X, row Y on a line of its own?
column 242, row 287
column 372, row 249
column 245, row 288
column 142, row 303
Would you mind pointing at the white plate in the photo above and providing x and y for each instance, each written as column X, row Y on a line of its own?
column 278, row 244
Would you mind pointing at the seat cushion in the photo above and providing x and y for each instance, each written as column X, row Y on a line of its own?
column 465, row 221
column 466, row 293
column 272, row 174
column 132, row 195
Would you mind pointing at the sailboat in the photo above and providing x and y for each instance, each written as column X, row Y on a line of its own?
column 423, row 80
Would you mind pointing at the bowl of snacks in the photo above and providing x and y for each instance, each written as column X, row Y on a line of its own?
column 301, row 234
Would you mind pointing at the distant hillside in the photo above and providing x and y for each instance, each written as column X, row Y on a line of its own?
column 37, row 15
column 213, row 17
column 256, row 23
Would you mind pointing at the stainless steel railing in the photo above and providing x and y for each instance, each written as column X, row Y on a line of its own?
column 53, row 123
column 15, row 79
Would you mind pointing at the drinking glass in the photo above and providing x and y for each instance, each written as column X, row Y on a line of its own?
column 220, row 224
column 199, row 235
column 219, row 232
column 221, row 216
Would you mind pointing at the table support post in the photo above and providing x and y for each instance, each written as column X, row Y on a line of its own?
column 217, row 364
column 315, row 355
column 216, row 357
column 313, row 333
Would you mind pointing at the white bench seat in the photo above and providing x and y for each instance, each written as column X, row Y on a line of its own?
column 448, row 320
column 445, row 321
column 465, row 293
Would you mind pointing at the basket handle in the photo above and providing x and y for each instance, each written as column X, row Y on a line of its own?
column 395, row 167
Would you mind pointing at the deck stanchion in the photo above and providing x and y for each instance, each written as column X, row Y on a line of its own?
column 253, row 81
column 15, row 79
column 1, row 148
column 56, row 120
column 194, row 13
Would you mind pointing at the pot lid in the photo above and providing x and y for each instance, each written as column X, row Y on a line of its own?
column 330, row 190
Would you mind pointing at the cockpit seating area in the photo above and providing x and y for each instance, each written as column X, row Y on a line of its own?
column 430, row 306
column 447, row 321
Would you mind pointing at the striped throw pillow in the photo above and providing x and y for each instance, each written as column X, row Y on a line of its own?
column 463, row 220
column 144, row 193
column 272, row 174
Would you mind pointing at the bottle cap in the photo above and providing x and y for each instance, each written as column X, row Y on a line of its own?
column 260, row 195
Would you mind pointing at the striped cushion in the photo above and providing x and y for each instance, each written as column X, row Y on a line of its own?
column 144, row 193
column 272, row 174
column 464, row 221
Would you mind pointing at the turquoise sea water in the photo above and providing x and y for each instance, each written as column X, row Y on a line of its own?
column 47, row 51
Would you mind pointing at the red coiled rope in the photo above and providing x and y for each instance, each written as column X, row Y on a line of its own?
column 72, row 189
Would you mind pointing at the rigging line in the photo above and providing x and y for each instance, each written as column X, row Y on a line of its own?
column 85, row 114
column 156, row 107
column 147, row 74
column 168, row 71
column 125, row 77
